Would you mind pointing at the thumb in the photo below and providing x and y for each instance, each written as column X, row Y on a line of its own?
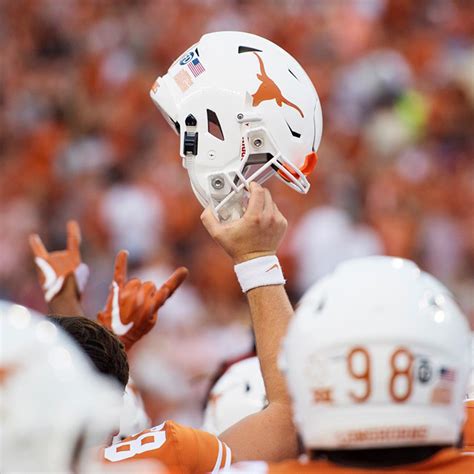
column 210, row 221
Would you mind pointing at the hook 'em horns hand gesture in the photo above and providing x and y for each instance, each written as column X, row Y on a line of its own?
column 55, row 267
column 132, row 307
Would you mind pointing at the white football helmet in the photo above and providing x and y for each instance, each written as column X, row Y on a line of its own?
column 53, row 406
column 244, row 110
column 240, row 392
column 378, row 355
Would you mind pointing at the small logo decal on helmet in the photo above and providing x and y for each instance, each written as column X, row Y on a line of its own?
column 196, row 67
column 424, row 372
column 186, row 58
column 447, row 374
column 183, row 80
column 323, row 395
column 242, row 148
column 268, row 90
column 441, row 395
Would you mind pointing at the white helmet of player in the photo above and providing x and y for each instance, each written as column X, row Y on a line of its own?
column 53, row 406
column 245, row 110
column 378, row 355
column 240, row 392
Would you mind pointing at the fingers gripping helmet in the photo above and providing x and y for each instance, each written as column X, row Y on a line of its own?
column 53, row 406
column 244, row 110
column 378, row 355
column 239, row 393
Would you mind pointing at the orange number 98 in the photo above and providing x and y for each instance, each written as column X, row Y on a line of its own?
column 401, row 383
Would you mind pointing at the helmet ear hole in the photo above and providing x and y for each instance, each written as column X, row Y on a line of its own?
column 293, row 132
column 293, row 74
column 175, row 125
column 248, row 49
column 214, row 126
column 321, row 305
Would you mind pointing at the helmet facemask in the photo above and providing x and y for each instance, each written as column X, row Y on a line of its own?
column 227, row 190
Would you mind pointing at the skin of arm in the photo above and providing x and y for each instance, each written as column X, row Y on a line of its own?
column 270, row 434
column 67, row 302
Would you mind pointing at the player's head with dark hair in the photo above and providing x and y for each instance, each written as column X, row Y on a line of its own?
column 103, row 348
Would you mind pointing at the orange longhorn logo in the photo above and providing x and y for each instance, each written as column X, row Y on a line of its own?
column 268, row 90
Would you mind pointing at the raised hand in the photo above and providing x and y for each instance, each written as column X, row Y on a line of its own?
column 55, row 267
column 132, row 307
column 257, row 233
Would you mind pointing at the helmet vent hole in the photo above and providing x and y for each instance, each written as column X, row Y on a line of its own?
column 321, row 305
column 295, row 134
column 176, row 125
column 213, row 125
column 248, row 49
column 293, row 74
column 254, row 162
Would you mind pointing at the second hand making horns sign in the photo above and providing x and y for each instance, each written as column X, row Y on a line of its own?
column 55, row 267
column 132, row 307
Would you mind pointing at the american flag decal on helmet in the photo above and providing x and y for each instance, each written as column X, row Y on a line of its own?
column 447, row 374
column 196, row 67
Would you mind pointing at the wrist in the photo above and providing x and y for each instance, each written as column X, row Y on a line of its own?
column 67, row 301
column 65, row 307
column 257, row 272
column 252, row 255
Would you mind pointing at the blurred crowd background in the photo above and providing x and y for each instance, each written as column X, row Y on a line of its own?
column 80, row 138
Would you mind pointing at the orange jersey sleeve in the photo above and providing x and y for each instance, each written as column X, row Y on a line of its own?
column 469, row 426
column 448, row 461
column 182, row 449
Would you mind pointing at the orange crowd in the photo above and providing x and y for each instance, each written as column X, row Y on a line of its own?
column 80, row 138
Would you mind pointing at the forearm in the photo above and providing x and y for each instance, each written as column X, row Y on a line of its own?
column 66, row 303
column 269, row 435
column 271, row 312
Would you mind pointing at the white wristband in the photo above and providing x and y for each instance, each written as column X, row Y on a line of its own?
column 261, row 271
